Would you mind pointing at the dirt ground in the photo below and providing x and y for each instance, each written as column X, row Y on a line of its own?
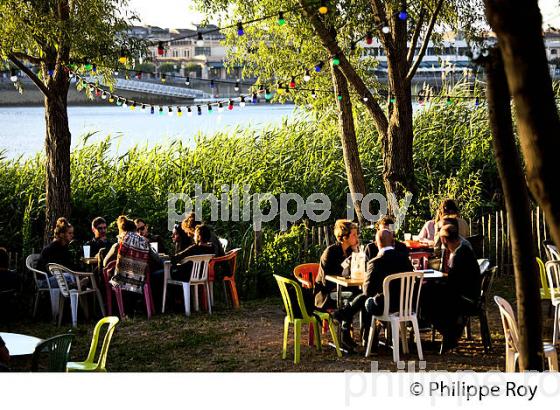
column 250, row 340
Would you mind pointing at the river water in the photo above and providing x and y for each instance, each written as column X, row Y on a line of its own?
column 22, row 129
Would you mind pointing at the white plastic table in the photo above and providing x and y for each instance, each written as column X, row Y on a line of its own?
column 20, row 345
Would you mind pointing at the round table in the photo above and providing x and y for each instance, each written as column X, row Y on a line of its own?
column 20, row 345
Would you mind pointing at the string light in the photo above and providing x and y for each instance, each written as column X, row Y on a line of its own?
column 163, row 77
column 188, row 81
column 307, row 76
column 323, row 9
column 318, row 67
column 339, row 97
column 220, row 107
column 160, row 48
column 281, row 19
column 160, row 110
column 230, row 105
column 189, row 112
column 152, row 110
column 293, row 82
column 212, row 84
column 267, row 95
column 179, row 112
column 133, row 106
column 242, row 102
column 386, row 29
column 255, row 98
column 200, row 40
column 236, row 88
column 403, row 15
column 369, row 38
column 313, row 94
column 240, row 30
column 336, row 60
column 199, row 110
column 122, row 57
column 209, row 108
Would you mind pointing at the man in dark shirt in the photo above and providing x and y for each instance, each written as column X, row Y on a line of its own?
column 385, row 223
column 99, row 240
column 346, row 233
column 387, row 261
column 202, row 246
column 446, row 304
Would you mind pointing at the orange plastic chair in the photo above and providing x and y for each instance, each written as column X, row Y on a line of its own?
column 306, row 273
column 229, row 281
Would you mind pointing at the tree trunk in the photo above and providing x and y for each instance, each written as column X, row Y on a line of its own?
column 354, row 173
column 519, row 32
column 57, row 147
column 517, row 204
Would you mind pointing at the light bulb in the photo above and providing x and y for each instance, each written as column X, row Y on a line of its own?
column 307, row 76
column 188, row 81
column 236, row 88
column 242, row 103
column 281, row 19
column 403, row 15
column 386, row 29
column 323, row 9
column 220, row 107
column 293, row 83
column 336, row 60
column 318, row 67
column 240, row 30
column 189, row 112
column 200, row 40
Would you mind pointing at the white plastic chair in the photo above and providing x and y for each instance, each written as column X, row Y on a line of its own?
column 553, row 278
column 42, row 285
column 410, row 286
column 199, row 277
column 483, row 264
column 512, row 338
column 554, row 253
column 71, row 292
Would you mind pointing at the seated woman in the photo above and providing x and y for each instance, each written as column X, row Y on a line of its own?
column 189, row 225
column 134, row 257
column 58, row 251
column 346, row 233
column 180, row 239
column 202, row 246
column 8, row 277
column 428, row 231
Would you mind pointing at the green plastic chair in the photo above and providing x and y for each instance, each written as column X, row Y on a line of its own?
column 314, row 320
column 57, row 348
column 89, row 365
column 545, row 290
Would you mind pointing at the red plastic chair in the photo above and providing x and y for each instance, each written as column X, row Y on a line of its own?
column 306, row 273
column 147, row 291
column 229, row 281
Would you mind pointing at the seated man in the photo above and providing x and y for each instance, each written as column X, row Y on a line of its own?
column 99, row 240
column 446, row 304
column 346, row 234
column 143, row 229
column 385, row 223
column 387, row 261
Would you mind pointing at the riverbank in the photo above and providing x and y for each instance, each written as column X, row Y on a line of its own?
column 32, row 97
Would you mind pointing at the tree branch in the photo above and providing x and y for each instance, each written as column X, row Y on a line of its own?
column 425, row 42
column 415, row 36
column 380, row 17
column 329, row 42
column 31, row 59
column 36, row 80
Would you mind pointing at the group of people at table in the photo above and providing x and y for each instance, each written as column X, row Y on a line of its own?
column 444, row 303
column 132, row 251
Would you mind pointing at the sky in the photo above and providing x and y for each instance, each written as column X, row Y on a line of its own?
column 179, row 14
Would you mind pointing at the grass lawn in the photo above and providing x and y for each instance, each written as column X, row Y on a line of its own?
column 250, row 340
